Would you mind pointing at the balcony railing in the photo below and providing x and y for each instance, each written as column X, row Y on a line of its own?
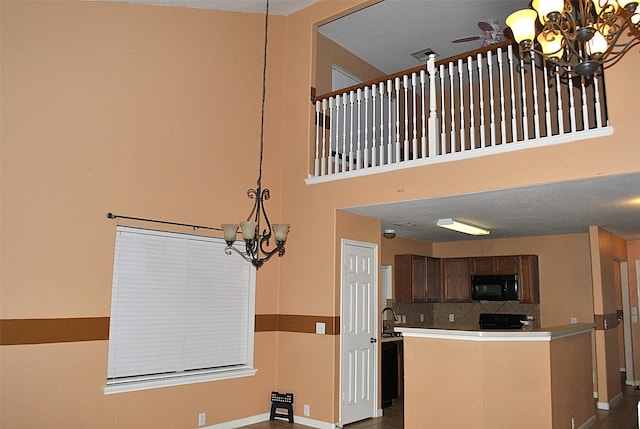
column 485, row 102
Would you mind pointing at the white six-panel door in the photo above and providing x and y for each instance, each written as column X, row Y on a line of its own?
column 358, row 334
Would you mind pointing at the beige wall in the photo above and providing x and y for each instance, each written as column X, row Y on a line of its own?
column 328, row 54
column 404, row 246
column 140, row 111
column 606, row 249
column 133, row 109
column 633, row 254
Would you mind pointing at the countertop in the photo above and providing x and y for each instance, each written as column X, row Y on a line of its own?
column 542, row 334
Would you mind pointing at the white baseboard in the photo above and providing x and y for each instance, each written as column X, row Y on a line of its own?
column 612, row 403
column 589, row 423
column 241, row 422
column 265, row 417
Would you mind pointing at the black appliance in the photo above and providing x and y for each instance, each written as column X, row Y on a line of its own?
column 495, row 288
column 501, row 321
column 389, row 372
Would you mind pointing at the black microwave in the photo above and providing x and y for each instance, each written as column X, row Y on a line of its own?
column 495, row 288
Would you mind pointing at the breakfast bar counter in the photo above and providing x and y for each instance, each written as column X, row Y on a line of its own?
column 498, row 379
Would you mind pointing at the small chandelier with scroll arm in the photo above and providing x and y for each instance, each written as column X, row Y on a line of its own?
column 257, row 241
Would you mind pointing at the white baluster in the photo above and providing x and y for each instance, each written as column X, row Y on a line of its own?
column 585, row 108
column 423, row 139
column 525, row 119
column 359, row 141
column 366, row 127
column 514, row 114
column 352, row 101
column 382, row 151
column 572, row 107
column 316, row 169
column 390, row 159
column 483, row 137
column 374, row 152
column 390, row 121
column 405, row 85
column 598, row 107
column 463, row 143
column 323, row 163
column 560, row 110
column 415, row 119
column 536, row 109
column 503, row 123
column 329, row 131
column 336, row 155
column 398, row 147
column 472, row 112
column 492, row 116
column 345, row 101
column 547, row 104
column 433, row 114
column 443, row 128
column 453, row 109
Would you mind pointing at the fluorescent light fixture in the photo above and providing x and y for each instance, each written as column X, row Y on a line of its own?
column 461, row 227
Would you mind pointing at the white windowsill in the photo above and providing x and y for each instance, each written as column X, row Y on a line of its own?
column 177, row 380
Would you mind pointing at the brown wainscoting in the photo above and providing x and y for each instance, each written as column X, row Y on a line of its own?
column 43, row 331
column 611, row 318
column 296, row 323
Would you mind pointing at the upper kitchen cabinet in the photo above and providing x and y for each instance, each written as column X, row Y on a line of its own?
column 416, row 279
column 457, row 279
column 434, row 280
column 529, row 279
column 494, row 265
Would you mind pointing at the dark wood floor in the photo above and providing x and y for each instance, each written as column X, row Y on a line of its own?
column 623, row 416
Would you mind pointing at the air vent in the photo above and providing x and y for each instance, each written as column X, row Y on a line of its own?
column 423, row 54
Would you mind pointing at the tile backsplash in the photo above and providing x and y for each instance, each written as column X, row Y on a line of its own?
column 465, row 315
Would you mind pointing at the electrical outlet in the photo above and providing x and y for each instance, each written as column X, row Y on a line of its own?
column 574, row 320
column 452, row 318
column 421, row 317
column 320, row 328
column 307, row 410
column 573, row 423
column 202, row 419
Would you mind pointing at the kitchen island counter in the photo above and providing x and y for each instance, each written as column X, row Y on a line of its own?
column 543, row 334
column 495, row 379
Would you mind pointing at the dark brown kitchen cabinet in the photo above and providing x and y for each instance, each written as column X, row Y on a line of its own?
column 410, row 278
column 457, row 279
column 494, row 265
column 434, row 280
column 416, row 279
column 529, row 279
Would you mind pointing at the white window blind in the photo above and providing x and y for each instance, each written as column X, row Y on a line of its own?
column 181, row 308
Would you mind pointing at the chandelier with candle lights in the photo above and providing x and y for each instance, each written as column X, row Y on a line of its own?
column 577, row 36
column 257, row 241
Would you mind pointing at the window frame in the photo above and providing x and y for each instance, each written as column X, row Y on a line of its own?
column 143, row 382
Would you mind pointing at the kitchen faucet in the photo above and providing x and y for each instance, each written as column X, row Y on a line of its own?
column 395, row 317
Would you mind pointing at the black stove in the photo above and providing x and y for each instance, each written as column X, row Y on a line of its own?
column 501, row 321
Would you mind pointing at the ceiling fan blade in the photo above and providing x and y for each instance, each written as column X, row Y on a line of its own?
column 485, row 26
column 467, row 39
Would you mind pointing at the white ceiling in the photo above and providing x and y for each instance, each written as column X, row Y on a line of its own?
column 612, row 202
column 276, row 7
column 385, row 35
